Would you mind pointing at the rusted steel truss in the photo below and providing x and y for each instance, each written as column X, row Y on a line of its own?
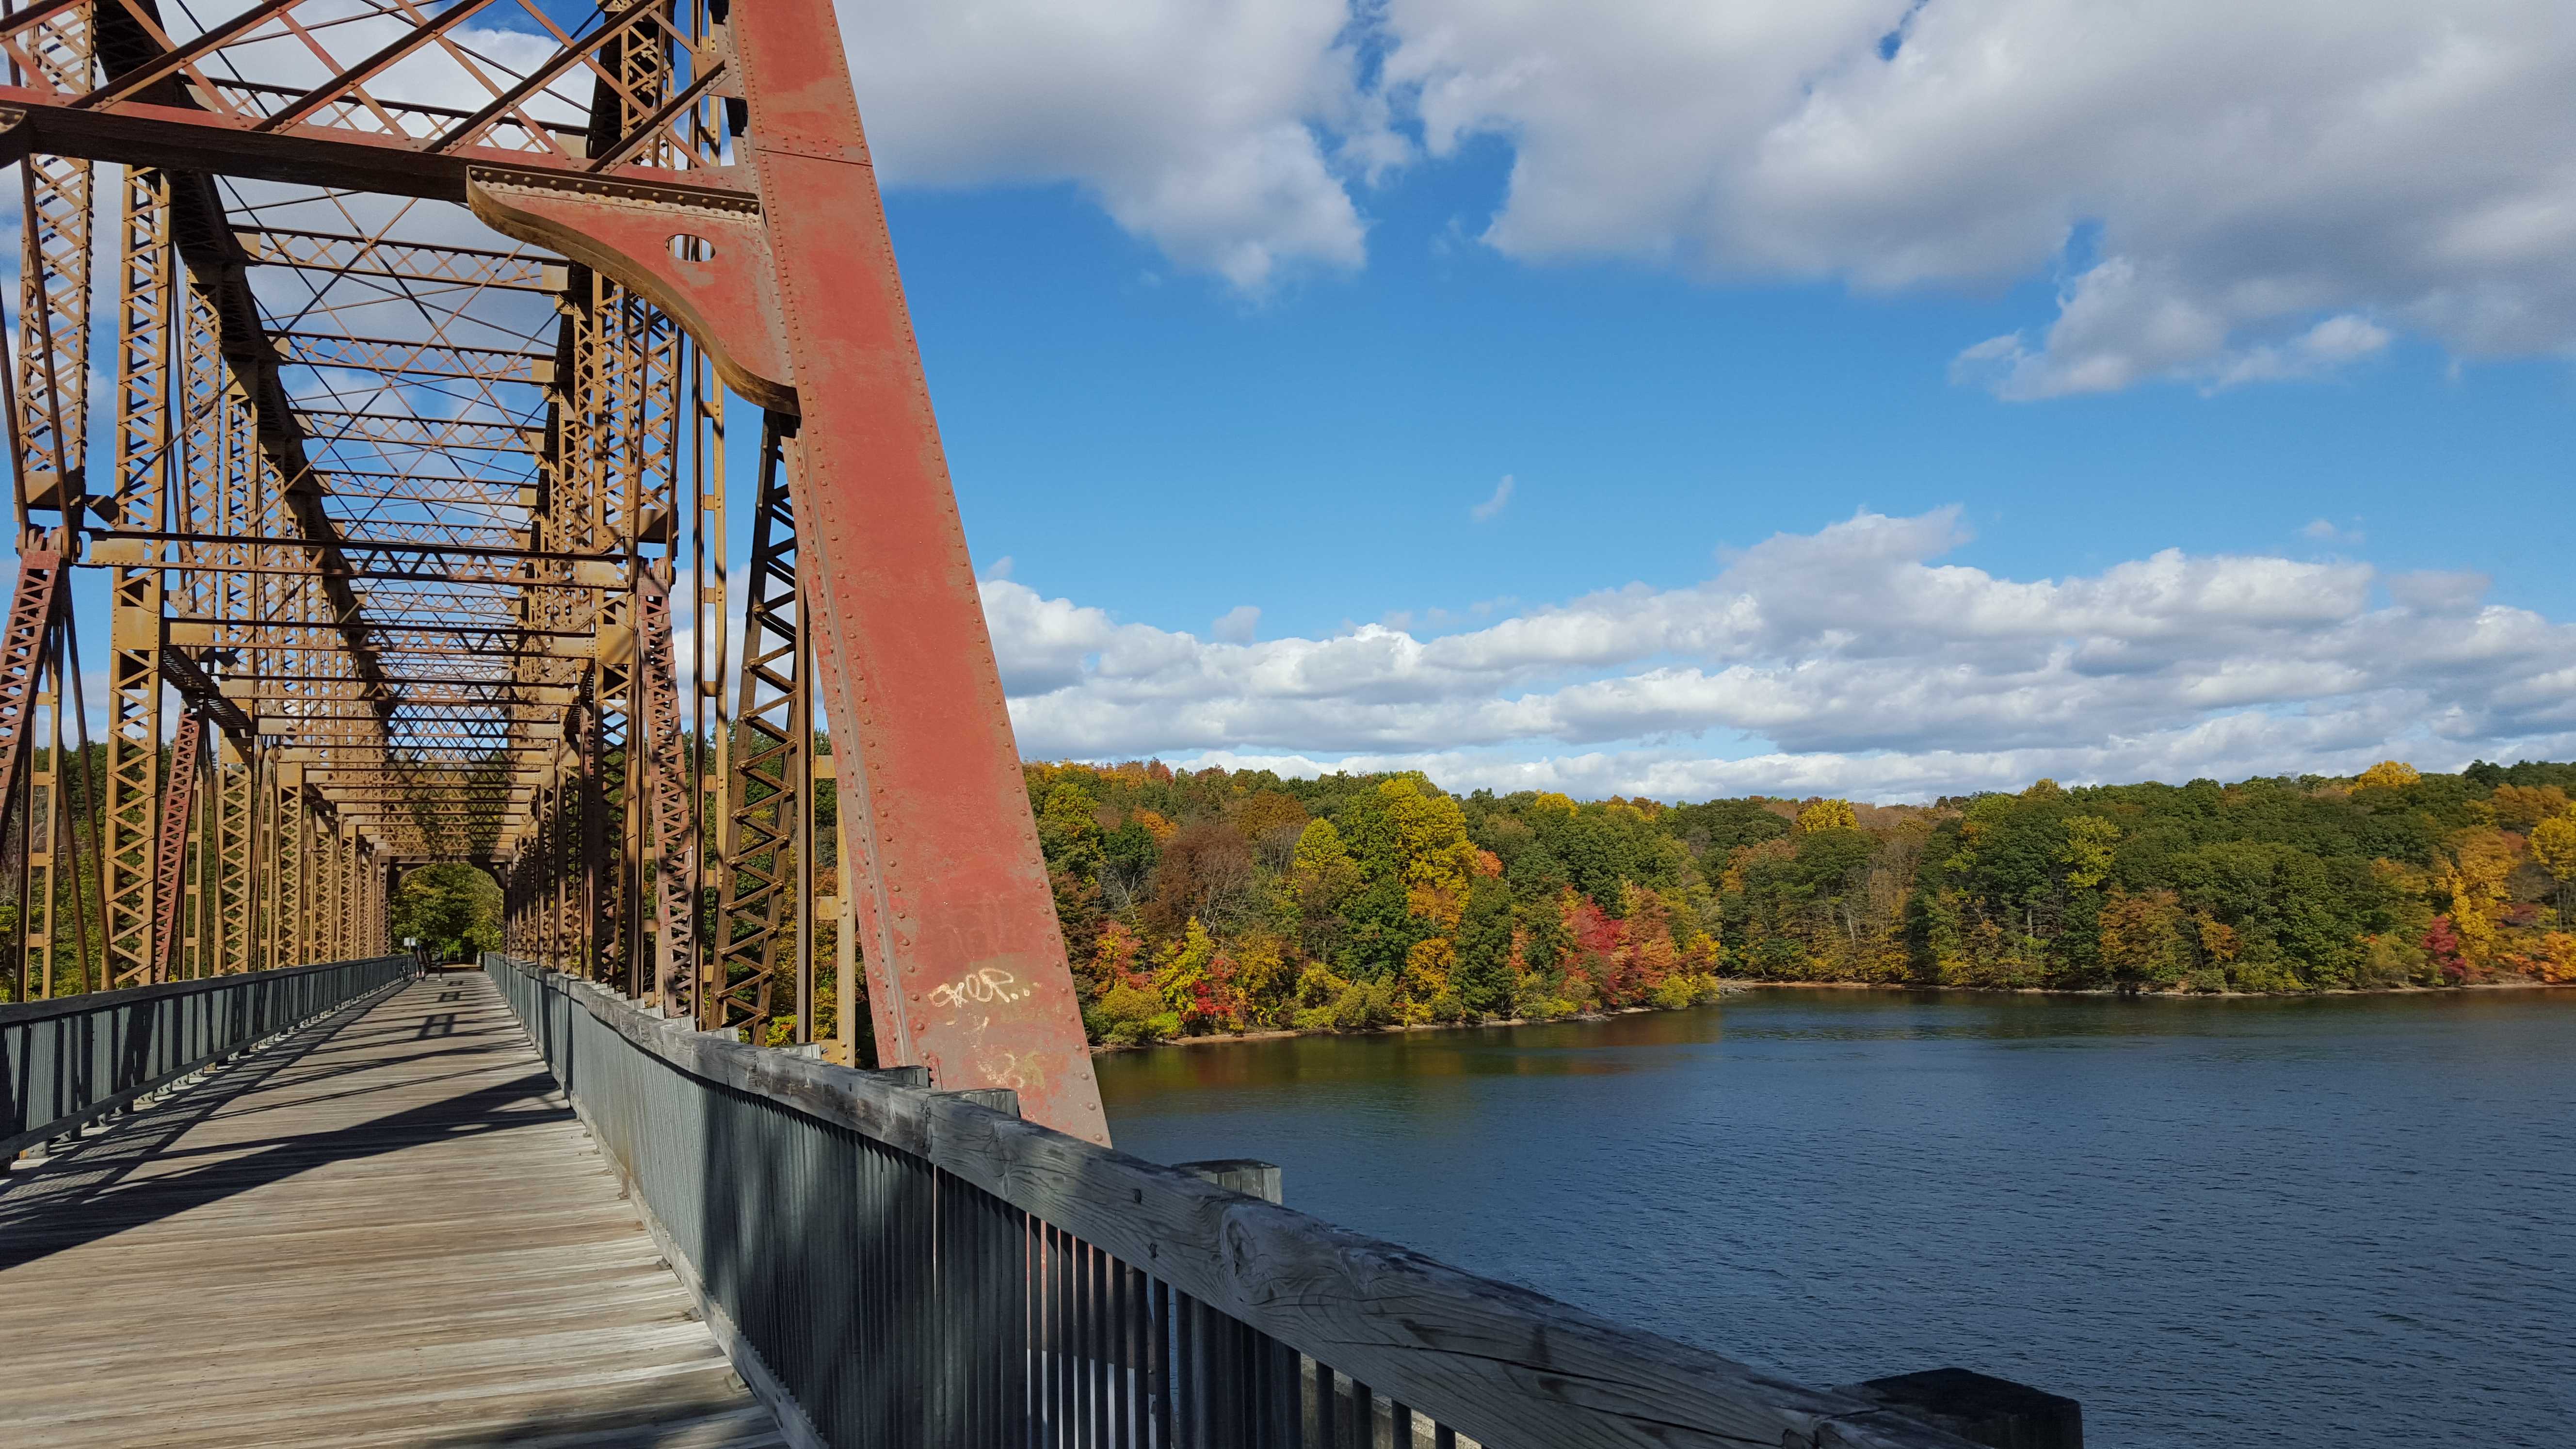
column 170, row 855
column 417, row 317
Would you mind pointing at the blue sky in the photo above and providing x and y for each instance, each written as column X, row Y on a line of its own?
column 1150, row 442
column 1898, row 398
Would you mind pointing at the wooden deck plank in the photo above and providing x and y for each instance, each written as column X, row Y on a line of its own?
column 387, row 1232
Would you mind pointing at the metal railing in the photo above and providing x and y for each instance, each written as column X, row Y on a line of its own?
column 67, row 1062
column 891, row 1265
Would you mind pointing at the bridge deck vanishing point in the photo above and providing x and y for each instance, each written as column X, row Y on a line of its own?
column 388, row 1229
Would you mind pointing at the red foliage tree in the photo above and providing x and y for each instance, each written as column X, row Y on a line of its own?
column 2442, row 946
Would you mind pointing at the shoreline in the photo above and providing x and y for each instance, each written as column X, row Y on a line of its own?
column 1735, row 987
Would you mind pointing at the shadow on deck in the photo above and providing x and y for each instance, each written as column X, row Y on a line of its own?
column 386, row 1230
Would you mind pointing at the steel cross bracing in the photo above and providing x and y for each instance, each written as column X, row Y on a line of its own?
column 414, row 328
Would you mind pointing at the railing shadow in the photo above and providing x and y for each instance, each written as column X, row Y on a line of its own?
column 93, row 1191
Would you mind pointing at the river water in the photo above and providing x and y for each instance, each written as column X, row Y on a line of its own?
column 2346, row 1221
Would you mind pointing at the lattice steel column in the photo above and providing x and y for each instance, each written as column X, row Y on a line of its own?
column 26, row 641
column 673, row 803
column 235, row 890
column 344, row 854
column 144, row 312
column 315, row 886
column 47, row 826
column 757, row 901
column 54, row 282
column 290, row 867
column 170, row 848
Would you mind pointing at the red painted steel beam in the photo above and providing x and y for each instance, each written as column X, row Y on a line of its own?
column 802, row 307
column 966, row 964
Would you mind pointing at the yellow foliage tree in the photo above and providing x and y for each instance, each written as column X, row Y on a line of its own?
column 2553, row 844
column 1431, row 841
column 1426, row 975
column 2558, row 959
column 1069, row 810
column 1322, row 872
column 2523, row 807
column 1827, row 815
column 2390, row 774
column 2087, row 852
column 1184, row 966
column 1262, row 973
column 2475, row 874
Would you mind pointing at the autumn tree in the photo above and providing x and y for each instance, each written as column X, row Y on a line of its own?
column 1273, row 821
column 2553, row 845
column 2523, row 807
column 1321, row 875
column 1205, row 874
column 1827, row 815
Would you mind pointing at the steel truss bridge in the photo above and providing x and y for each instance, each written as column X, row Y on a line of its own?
column 377, row 353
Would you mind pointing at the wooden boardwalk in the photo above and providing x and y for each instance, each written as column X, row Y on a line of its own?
column 388, row 1230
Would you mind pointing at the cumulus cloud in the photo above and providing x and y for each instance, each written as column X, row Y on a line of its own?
column 1196, row 123
column 2251, row 184
column 1847, row 659
column 2232, row 193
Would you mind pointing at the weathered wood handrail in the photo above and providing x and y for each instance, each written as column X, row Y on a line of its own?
column 1504, row 1365
column 69, row 1061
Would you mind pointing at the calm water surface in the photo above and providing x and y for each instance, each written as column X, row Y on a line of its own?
column 2320, row 1223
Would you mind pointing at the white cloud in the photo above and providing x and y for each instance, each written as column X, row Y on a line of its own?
column 2232, row 192
column 2243, row 182
column 2434, row 592
column 1195, row 123
column 1501, row 500
column 1848, row 659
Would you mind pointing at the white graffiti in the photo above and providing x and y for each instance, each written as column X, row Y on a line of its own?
column 985, row 985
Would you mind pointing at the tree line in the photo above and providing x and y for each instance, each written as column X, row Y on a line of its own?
column 1240, row 901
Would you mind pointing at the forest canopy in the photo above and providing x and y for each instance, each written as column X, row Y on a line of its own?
column 1237, row 901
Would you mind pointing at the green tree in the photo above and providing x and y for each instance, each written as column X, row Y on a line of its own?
column 454, row 909
column 1483, row 979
